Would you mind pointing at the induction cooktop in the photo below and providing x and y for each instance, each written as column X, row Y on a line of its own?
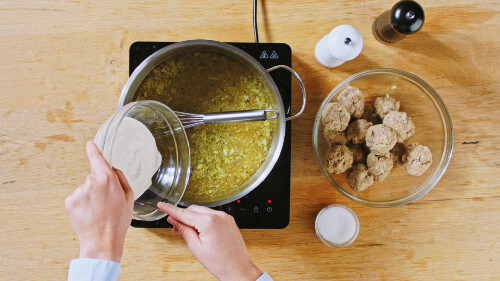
column 268, row 205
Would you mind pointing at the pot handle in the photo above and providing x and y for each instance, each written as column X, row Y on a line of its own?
column 301, row 87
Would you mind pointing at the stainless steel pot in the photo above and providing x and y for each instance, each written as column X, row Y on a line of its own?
column 128, row 94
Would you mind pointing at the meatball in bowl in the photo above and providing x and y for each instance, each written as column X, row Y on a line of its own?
column 383, row 137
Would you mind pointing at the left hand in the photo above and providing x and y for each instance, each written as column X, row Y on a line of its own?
column 100, row 209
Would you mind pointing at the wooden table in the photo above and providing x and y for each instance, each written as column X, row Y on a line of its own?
column 65, row 62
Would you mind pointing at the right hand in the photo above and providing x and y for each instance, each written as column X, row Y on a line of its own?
column 214, row 239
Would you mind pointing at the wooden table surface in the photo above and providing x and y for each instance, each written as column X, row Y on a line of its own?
column 63, row 64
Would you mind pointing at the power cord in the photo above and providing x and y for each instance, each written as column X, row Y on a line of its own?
column 255, row 31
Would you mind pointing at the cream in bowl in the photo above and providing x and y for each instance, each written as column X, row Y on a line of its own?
column 134, row 153
column 147, row 142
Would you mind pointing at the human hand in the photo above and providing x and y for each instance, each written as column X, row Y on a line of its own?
column 214, row 239
column 100, row 209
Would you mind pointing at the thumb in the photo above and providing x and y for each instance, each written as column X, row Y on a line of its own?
column 129, row 193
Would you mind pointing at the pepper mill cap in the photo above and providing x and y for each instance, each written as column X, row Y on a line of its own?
column 345, row 42
column 407, row 17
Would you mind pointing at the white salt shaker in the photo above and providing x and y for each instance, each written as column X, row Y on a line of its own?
column 337, row 226
column 342, row 44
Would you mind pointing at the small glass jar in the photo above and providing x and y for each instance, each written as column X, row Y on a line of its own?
column 347, row 229
column 170, row 180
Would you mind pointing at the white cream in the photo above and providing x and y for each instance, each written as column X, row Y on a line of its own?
column 134, row 153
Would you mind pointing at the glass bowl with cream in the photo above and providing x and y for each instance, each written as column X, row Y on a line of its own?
column 147, row 142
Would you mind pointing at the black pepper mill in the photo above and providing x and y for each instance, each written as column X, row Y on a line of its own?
column 406, row 17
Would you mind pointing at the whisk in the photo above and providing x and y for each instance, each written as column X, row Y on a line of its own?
column 189, row 120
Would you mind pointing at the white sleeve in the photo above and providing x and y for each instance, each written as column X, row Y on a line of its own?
column 93, row 270
column 264, row 277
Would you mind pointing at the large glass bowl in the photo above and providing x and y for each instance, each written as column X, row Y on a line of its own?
column 170, row 180
column 433, row 129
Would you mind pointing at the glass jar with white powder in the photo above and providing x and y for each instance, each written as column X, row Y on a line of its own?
column 337, row 226
column 147, row 142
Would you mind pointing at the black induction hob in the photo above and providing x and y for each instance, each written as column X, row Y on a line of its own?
column 268, row 205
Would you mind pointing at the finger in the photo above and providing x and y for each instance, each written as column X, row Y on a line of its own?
column 185, row 216
column 97, row 161
column 203, row 209
column 129, row 193
column 90, row 181
column 190, row 235
column 75, row 197
column 68, row 202
column 173, row 223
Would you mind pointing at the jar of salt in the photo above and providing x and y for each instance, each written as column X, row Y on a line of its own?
column 337, row 226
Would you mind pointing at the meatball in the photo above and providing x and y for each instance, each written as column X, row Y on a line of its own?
column 356, row 131
column 335, row 117
column 359, row 178
column 334, row 137
column 358, row 153
column 418, row 159
column 384, row 105
column 353, row 100
column 380, row 138
column 369, row 114
column 379, row 165
column 338, row 159
column 397, row 153
column 401, row 123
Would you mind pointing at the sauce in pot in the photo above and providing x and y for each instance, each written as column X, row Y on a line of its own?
column 223, row 156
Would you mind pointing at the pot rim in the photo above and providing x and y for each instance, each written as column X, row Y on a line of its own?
column 156, row 58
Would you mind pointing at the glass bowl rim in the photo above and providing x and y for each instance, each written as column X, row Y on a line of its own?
column 436, row 175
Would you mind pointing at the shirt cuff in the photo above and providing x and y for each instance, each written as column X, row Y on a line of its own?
column 86, row 269
column 264, row 277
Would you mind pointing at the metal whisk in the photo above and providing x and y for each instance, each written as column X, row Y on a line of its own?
column 189, row 120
